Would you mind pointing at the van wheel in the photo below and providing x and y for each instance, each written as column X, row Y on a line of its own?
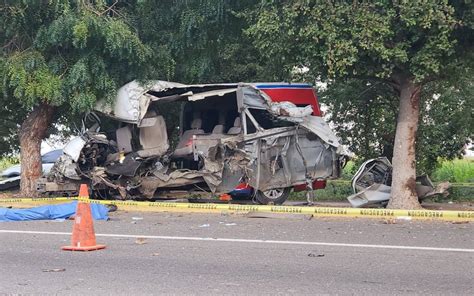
column 273, row 196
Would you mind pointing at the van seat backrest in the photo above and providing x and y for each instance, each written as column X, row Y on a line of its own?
column 154, row 139
column 184, row 149
column 218, row 129
column 196, row 123
column 187, row 135
column 237, row 128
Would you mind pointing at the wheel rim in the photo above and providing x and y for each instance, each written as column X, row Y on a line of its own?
column 274, row 193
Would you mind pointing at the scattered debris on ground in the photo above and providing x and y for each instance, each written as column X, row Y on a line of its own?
column 141, row 241
column 54, row 270
column 315, row 255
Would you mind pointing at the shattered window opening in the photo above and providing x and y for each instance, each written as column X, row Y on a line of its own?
column 213, row 111
column 265, row 120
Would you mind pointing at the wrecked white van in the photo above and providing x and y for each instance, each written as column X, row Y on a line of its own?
column 162, row 138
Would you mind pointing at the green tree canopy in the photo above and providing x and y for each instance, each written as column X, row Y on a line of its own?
column 63, row 53
column 364, row 115
column 68, row 53
column 200, row 41
column 403, row 44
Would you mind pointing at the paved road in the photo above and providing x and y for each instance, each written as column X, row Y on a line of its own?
column 230, row 254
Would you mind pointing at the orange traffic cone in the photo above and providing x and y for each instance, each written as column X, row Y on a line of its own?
column 83, row 235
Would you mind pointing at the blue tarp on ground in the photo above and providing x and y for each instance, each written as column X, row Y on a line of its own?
column 51, row 212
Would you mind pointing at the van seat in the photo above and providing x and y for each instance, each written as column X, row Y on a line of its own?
column 237, row 128
column 154, row 138
column 184, row 147
column 218, row 129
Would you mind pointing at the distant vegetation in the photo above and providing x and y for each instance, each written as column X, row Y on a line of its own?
column 456, row 171
column 6, row 162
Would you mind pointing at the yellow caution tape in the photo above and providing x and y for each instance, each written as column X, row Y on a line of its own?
column 210, row 207
column 471, row 184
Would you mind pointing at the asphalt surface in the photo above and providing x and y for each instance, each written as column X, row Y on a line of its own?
column 164, row 253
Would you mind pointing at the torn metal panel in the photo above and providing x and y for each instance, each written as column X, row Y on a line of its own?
column 133, row 99
column 235, row 169
column 74, row 147
column 212, row 93
column 374, row 194
column 131, row 104
column 171, row 98
column 252, row 98
column 65, row 167
column 230, row 179
column 255, row 99
column 441, row 189
column 317, row 125
column 372, row 184
column 276, row 157
column 279, row 131
column 377, row 170
column 150, row 184
column 211, row 175
column 126, row 167
column 289, row 158
column 310, row 158
column 203, row 143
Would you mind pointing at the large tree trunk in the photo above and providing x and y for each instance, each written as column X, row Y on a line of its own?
column 404, row 163
column 32, row 132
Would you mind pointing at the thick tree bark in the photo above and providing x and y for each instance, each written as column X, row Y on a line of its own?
column 404, row 163
column 32, row 132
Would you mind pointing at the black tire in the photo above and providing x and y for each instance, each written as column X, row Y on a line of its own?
column 274, row 196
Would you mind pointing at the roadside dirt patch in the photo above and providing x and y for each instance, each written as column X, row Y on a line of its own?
column 462, row 206
column 9, row 194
